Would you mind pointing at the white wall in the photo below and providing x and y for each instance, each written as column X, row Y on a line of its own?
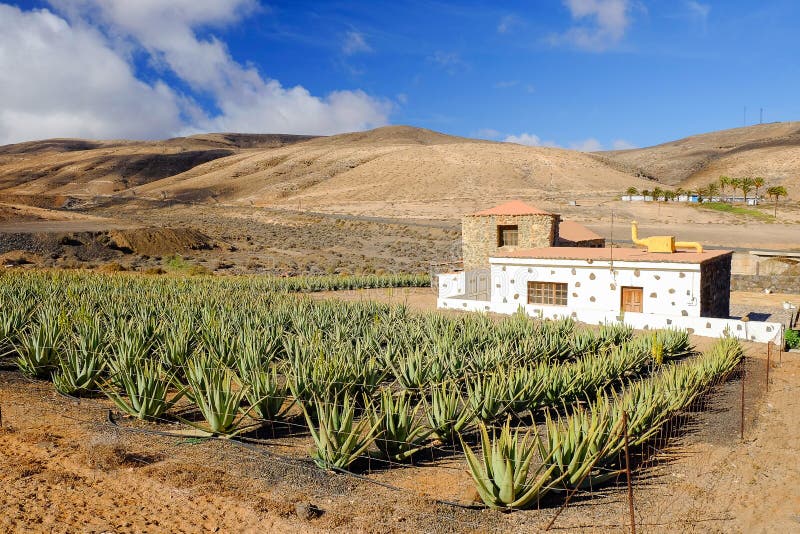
column 667, row 288
column 760, row 332
column 451, row 284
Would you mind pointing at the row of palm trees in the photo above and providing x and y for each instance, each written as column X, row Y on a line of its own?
column 717, row 189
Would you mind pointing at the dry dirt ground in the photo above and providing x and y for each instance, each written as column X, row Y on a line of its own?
column 65, row 468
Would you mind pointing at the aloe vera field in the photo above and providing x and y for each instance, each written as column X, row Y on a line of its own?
column 513, row 414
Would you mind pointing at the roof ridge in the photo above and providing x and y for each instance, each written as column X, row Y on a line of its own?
column 513, row 207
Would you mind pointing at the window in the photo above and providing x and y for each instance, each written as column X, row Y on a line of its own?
column 507, row 235
column 552, row 293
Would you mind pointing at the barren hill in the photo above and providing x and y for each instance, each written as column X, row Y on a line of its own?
column 397, row 171
column 771, row 151
column 77, row 167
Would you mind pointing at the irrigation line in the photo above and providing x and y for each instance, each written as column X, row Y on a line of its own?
column 287, row 459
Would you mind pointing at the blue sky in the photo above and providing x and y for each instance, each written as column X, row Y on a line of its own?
column 575, row 73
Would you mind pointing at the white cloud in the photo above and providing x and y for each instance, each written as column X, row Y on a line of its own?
column 587, row 145
column 451, row 62
column 354, row 43
column 621, row 144
column 505, row 84
column 72, row 75
column 507, row 23
column 60, row 80
column 698, row 10
column 486, row 133
column 528, row 139
column 246, row 100
column 600, row 24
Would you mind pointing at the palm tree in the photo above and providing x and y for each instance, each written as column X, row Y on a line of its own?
column 746, row 186
column 735, row 184
column 631, row 191
column 724, row 182
column 657, row 192
column 645, row 193
column 776, row 192
column 758, row 182
column 712, row 189
column 702, row 193
column 679, row 192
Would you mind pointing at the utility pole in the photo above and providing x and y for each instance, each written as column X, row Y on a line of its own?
column 744, row 117
column 761, row 116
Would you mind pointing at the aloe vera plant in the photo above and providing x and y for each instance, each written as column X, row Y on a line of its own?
column 38, row 344
column 447, row 413
column 83, row 361
column 144, row 391
column 400, row 434
column 218, row 394
column 489, row 398
column 12, row 319
column 578, row 444
column 505, row 474
column 265, row 394
column 338, row 437
column 412, row 370
column 125, row 352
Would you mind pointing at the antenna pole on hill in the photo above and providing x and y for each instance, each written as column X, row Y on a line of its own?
column 761, row 116
column 744, row 118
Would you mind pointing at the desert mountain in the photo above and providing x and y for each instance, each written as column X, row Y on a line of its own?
column 771, row 151
column 394, row 170
column 78, row 167
column 416, row 171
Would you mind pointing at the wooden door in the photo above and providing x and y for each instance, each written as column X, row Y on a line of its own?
column 632, row 299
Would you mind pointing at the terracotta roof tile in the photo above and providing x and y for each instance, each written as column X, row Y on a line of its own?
column 572, row 231
column 515, row 207
column 620, row 254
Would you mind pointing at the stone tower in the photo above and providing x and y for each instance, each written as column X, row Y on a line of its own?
column 504, row 228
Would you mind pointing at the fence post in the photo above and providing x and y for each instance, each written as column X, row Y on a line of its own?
column 769, row 353
column 628, row 472
column 744, row 374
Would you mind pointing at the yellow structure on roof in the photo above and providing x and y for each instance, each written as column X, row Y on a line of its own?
column 661, row 243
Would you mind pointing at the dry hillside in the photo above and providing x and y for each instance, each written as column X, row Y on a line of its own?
column 74, row 167
column 396, row 171
column 771, row 151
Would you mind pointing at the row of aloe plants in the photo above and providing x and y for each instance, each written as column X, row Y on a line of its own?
column 582, row 449
column 363, row 375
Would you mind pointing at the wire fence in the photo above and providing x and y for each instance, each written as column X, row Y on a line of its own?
column 726, row 413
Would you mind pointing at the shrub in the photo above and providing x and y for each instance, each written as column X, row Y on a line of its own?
column 792, row 339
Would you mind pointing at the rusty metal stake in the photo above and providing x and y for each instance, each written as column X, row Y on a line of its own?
column 628, row 472
column 744, row 374
column 769, row 353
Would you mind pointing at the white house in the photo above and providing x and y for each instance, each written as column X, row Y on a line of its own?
column 655, row 288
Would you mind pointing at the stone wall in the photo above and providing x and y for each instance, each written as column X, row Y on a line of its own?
column 715, row 287
column 776, row 283
column 479, row 235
